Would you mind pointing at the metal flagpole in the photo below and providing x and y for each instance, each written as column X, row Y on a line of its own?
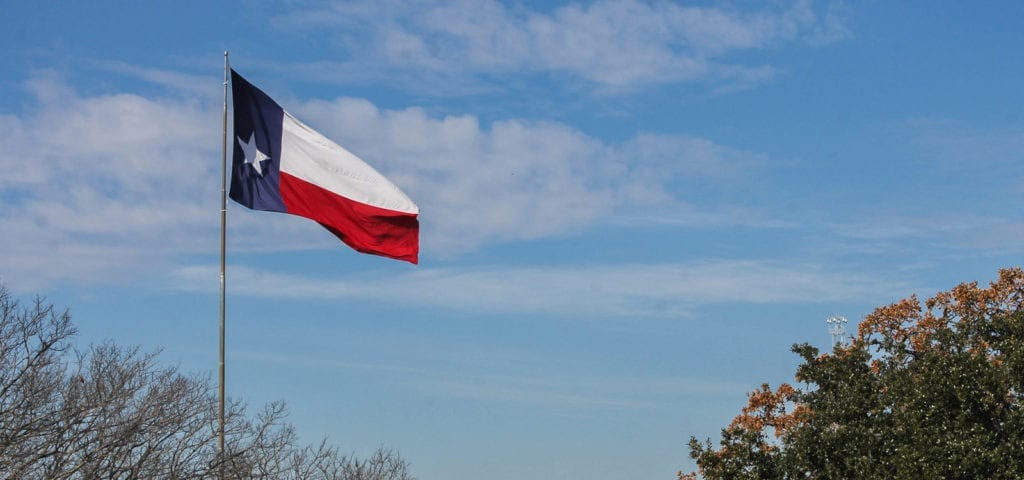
column 223, row 243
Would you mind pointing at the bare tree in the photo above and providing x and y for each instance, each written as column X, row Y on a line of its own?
column 382, row 465
column 113, row 412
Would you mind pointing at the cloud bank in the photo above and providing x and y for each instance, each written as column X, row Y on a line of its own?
column 107, row 186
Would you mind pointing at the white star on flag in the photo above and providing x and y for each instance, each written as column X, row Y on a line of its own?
column 253, row 155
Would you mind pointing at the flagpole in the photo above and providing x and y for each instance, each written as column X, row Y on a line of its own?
column 223, row 248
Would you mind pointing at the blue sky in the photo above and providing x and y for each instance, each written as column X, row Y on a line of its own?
column 629, row 210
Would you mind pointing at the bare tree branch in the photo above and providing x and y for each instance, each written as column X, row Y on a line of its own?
column 112, row 412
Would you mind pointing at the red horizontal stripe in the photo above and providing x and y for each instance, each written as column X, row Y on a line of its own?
column 365, row 228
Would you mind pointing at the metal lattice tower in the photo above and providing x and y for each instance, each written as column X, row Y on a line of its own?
column 837, row 327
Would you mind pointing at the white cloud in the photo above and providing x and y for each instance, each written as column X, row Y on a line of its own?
column 109, row 186
column 621, row 290
column 102, row 184
column 612, row 44
column 522, row 180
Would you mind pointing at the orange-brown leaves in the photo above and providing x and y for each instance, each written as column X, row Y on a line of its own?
column 767, row 408
column 966, row 300
column 907, row 323
column 787, row 423
column 888, row 321
column 921, row 334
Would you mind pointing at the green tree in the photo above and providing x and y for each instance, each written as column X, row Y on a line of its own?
column 927, row 390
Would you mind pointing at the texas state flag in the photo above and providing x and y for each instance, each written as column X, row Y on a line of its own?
column 281, row 165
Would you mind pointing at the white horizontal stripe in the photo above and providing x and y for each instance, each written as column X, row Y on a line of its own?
column 309, row 156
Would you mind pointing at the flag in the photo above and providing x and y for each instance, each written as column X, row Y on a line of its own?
column 281, row 165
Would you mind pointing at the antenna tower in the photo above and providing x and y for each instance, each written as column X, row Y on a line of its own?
column 837, row 328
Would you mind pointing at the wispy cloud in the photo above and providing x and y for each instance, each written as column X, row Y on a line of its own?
column 662, row 290
column 894, row 234
column 611, row 44
column 948, row 185
column 547, row 387
column 200, row 86
column 960, row 148
column 576, row 392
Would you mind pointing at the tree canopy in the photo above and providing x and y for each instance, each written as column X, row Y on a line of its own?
column 113, row 412
column 928, row 390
